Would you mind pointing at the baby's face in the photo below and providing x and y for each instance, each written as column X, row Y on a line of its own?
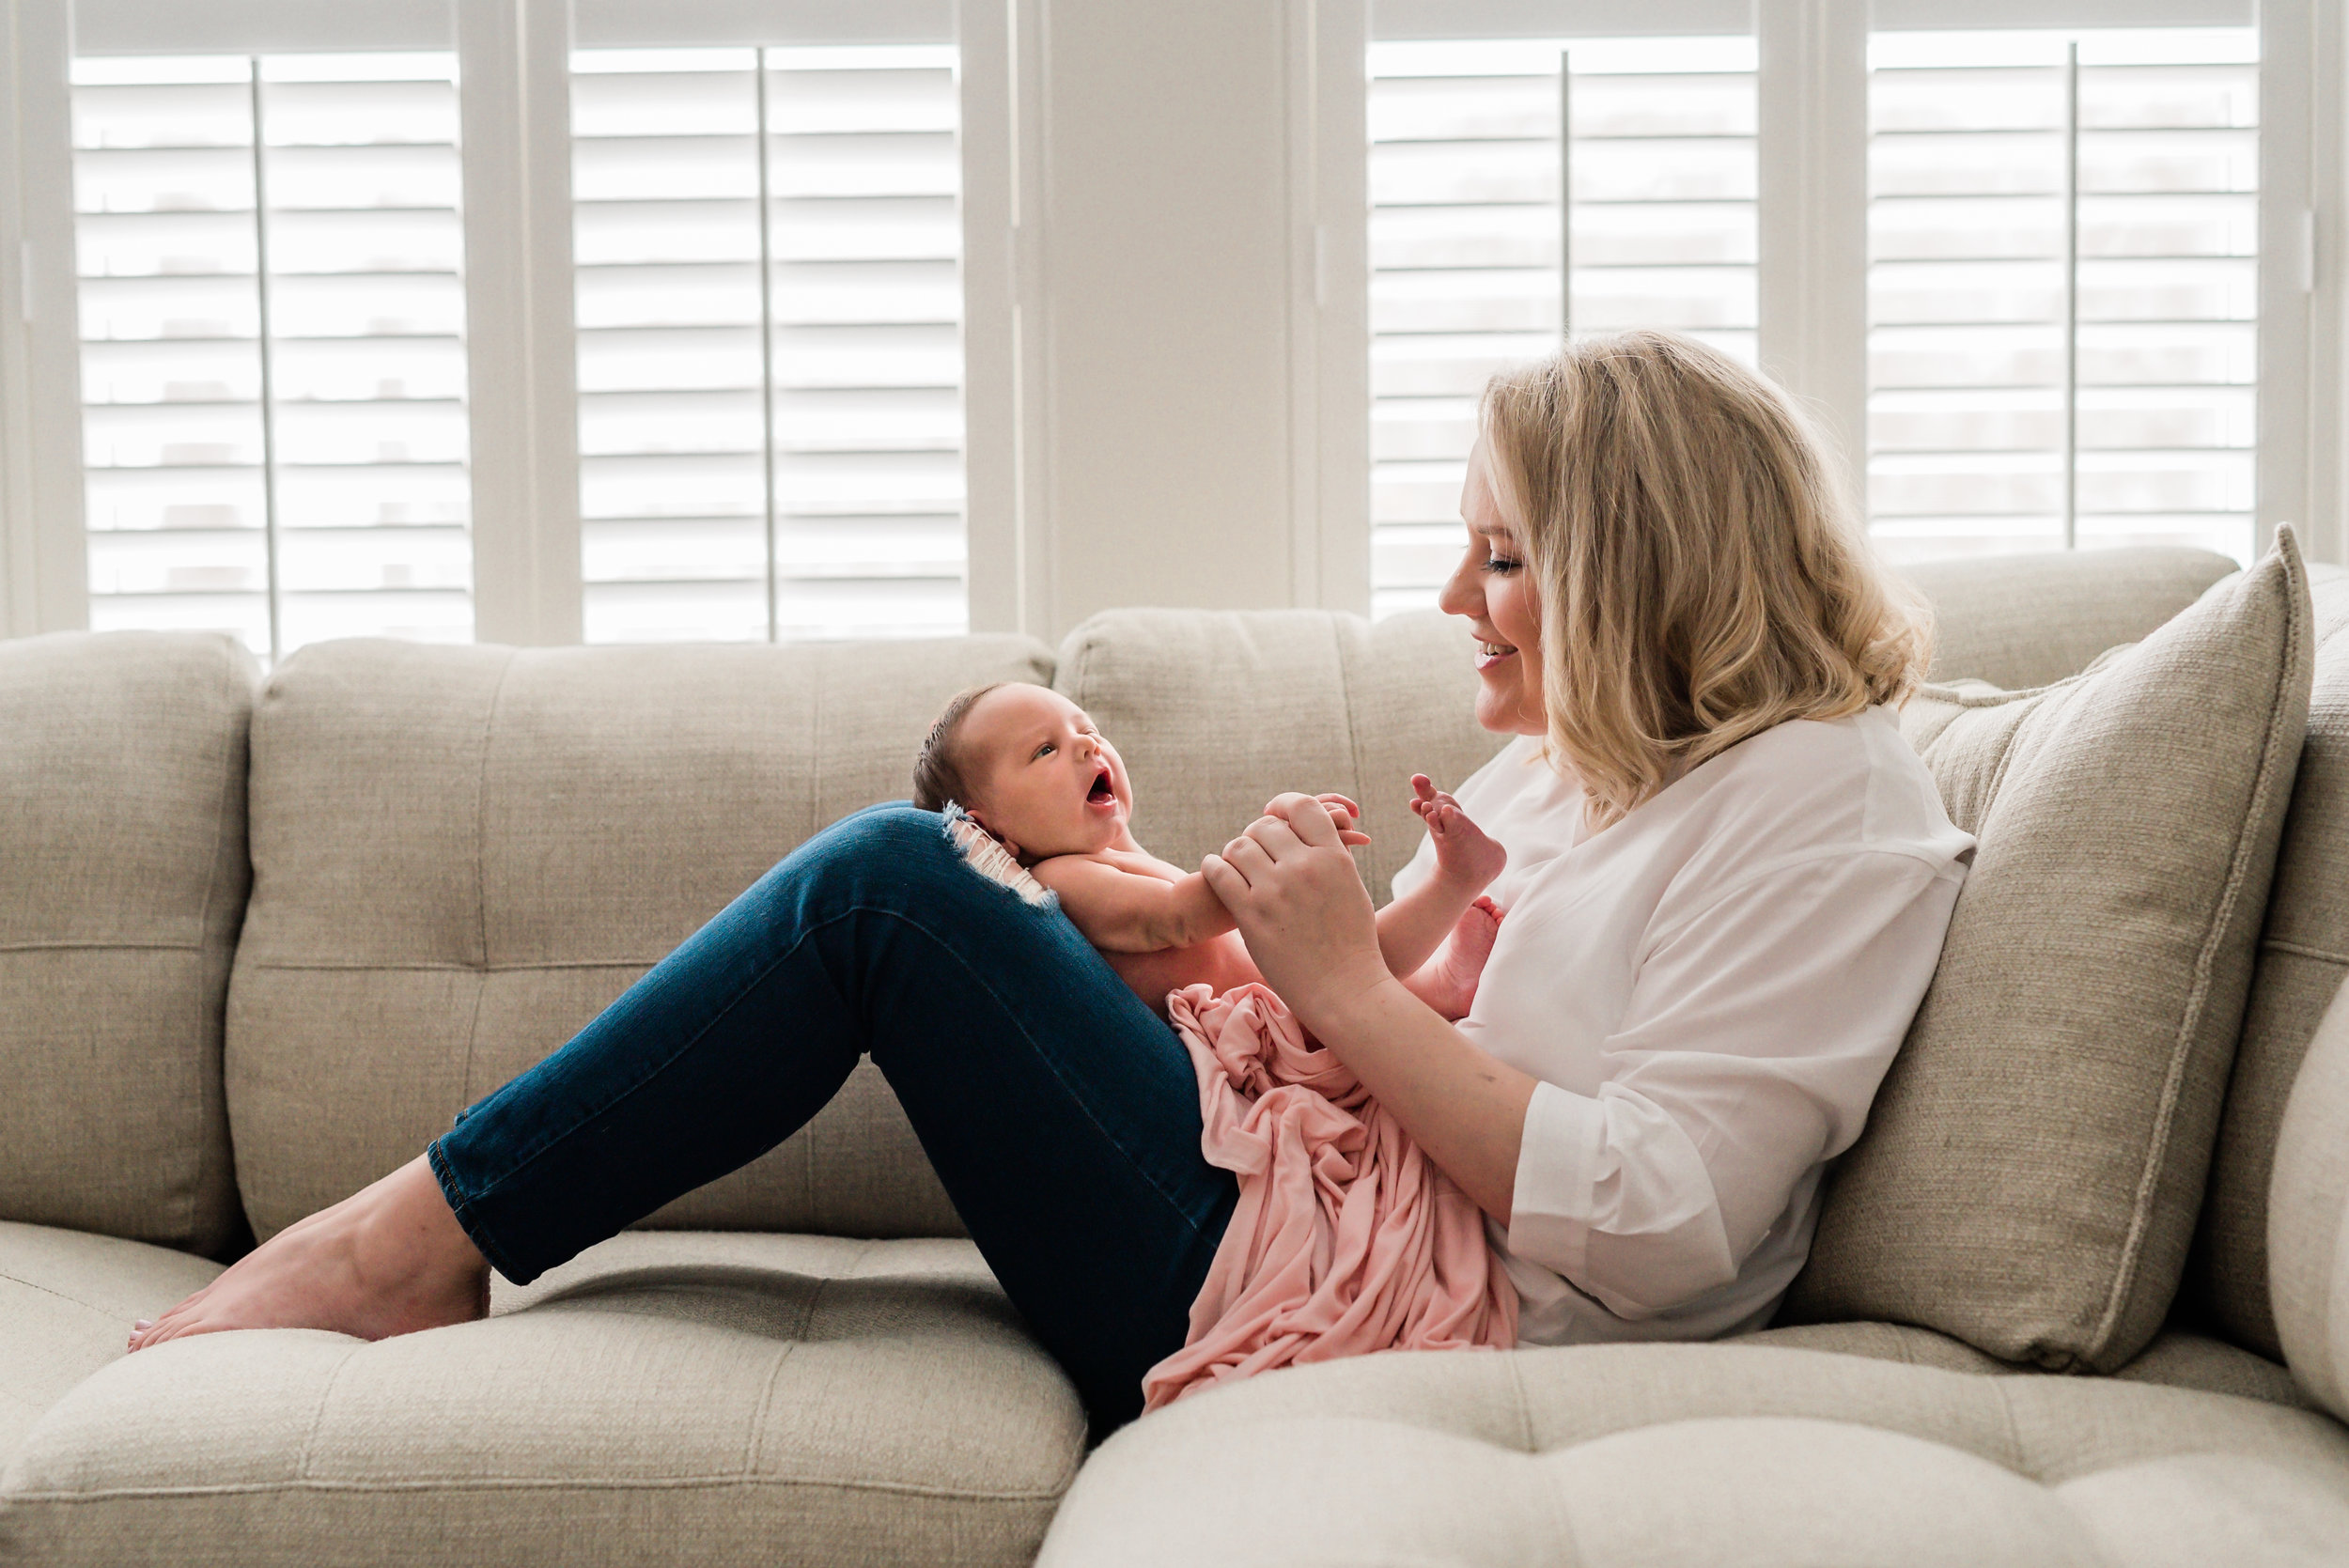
column 1048, row 784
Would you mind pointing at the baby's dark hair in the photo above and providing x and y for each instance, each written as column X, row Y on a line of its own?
column 938, row 775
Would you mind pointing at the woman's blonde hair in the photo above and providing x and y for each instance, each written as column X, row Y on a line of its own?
column 1701, row 568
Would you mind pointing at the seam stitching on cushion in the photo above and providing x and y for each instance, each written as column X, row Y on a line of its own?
column 364, row 966
column 202, row 929
column 2304, row 950
column 101, row 947
column 51, row 1290
column 2015, row 1459
column 766, row 1398
column 1561, row 1523
column 481, row 868
column 525, row 1484
column 317, row 1417
column 2173, row 1081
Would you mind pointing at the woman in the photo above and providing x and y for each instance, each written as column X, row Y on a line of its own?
column 1728, row 884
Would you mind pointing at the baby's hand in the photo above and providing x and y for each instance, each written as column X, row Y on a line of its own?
column 1344, row 814
column 1462, row 850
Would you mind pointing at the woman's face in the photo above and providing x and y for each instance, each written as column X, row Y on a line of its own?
column 1493, row 589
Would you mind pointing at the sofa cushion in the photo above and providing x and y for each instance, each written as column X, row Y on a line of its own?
column 2303, row 954
column 2176, row 1359
column 2019, row 621
column 1674, row 1453
column 123, row 882
column 1216, row 712
column 67, row 1302
column 2033, row 1165
column 461, row 854
column 664, row 1398
column 2308, row 1217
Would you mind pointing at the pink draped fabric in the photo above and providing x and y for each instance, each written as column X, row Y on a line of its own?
column 1346, row 1239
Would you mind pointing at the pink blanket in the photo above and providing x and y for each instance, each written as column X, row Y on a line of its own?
column 1346, row 1239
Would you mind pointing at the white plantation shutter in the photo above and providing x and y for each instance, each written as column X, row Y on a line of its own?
column 771, row 420
column 1467, row 238
column 2062, row 288
column 274, row 426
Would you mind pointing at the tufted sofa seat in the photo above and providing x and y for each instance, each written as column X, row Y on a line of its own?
column 1608, row 1456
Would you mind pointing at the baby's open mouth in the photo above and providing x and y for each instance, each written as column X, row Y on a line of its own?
column 1101, row 789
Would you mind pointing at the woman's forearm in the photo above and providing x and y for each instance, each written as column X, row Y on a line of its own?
column 1465, row 1107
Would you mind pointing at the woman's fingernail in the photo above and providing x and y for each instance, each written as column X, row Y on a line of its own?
column 142, row 1324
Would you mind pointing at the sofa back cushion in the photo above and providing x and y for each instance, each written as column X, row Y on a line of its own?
column 2020, row 621
column 2034, row 1163
column 2303, row 954
column 122, row 881
column 1217, row 711
column 461, row 854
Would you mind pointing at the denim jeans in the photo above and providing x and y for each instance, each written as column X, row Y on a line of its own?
column 1061, row 1115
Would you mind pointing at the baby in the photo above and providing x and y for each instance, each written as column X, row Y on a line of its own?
column 1026, row 765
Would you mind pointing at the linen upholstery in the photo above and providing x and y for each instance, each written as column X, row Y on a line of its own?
column 2303, row 954
column 2032, row 1169
column 122, row 881
column 2019, row 621
column 1216, row 712
column 666, row 1398
column 462, row 854
column 2308, row 1213
column 1615, row 1456
column 2176, row 1359
column 67, row 1302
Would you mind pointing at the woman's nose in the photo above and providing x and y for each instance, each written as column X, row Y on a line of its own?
column 1458, row 596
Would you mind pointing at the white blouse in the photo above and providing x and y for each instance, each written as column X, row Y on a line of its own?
column 1709, row 992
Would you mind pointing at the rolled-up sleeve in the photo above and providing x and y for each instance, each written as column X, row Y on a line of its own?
column 1757, row 1030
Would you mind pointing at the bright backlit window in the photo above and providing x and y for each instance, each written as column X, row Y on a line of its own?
column 2062, row 289
column 274, row 362
column 1490, row 232
column 769, row 342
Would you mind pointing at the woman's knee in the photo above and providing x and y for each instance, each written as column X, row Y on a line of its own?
column 889, row 851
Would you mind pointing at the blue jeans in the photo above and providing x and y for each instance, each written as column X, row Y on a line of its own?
column 1061, row 1115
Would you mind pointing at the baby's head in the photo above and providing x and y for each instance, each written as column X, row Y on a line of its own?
column 1029, row 767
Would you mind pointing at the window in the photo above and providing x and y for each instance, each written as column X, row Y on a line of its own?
column 764, row 318
column 769, row 342
column 1490, row 232
column 272, row 361
column 2063, row 290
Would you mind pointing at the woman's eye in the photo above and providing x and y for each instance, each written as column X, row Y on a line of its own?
column 1501, row 564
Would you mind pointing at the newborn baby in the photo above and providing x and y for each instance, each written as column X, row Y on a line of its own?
column 1026, row 765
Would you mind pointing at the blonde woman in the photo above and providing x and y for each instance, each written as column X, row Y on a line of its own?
column 1727, row 886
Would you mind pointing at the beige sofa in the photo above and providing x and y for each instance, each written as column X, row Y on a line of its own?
column 261, row 940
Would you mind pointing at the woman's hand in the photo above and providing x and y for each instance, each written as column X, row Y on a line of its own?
column 1301, row 906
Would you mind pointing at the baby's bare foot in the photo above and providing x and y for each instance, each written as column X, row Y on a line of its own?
column 388, row 1260
column 1461, row 963
column 1463, row 850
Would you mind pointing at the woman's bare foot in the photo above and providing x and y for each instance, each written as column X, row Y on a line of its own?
column 1451, row 988
column 388, row 1260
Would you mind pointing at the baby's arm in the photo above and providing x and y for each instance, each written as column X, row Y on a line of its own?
column 1129, row 912
column 1414, row 925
